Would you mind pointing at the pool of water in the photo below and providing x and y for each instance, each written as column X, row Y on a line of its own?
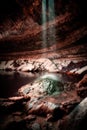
column 10, row 82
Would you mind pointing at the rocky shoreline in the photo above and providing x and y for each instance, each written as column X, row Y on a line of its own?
column 57, row 46
column 41, row 105
column 71, row 66
column 45, row 112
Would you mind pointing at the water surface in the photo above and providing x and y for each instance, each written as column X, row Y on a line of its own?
column 10, row 82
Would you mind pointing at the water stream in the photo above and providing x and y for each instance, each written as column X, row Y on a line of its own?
column 48, row 14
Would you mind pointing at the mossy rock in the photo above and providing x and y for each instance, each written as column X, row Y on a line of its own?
column 44, row 85
column 51, row 86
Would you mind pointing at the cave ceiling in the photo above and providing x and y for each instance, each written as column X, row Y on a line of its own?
column 21, row 28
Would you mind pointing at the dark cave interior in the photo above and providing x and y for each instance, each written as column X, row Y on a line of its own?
column 43, row 64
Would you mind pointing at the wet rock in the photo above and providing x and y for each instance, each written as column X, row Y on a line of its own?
column 12, row 104
column 82, row 92
column 68, row 106
column 76, row 120
column 29, row 65
column 30, row 118
column 17, row 120
column 36, row 126
column 45, row 85
column 81, row 70
column 45, row 64
column 49, row 110
column 69, row 86
column 44, row 108
column 21, row 37
column 19, row 98
column 5, row 65
column 30, row 110
column 82, row 87
column 75, row 67
column 29, row 105
column 83, row 82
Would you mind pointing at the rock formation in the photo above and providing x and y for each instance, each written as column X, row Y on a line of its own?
column 59, row 45
column 21, row 30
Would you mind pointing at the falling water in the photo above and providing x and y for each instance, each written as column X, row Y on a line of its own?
column 51, row 30
column 51, row 9
column 44, row 19
column 48, row 13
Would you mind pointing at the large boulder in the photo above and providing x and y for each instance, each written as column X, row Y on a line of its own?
column 47, row 84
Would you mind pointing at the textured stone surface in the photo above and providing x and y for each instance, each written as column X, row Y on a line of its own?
column 77, row 118
column 71, row 66
column 47, row 84
column 83, row 82
column 21, row 35
column 22, row 49
column 82, row 87
column 44, row 113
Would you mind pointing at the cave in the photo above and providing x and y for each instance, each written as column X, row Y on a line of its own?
column 43, row 65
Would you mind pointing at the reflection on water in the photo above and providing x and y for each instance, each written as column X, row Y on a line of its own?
column 10, row 82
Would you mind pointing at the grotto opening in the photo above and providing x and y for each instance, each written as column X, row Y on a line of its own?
column 43, row 65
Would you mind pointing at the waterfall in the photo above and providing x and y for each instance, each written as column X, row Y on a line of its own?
column 51, row 16
column 48, row 13
column 44, row 19
column 51, row 9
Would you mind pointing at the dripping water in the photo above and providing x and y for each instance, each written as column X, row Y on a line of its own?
column 48, row 14
column 44, row 19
